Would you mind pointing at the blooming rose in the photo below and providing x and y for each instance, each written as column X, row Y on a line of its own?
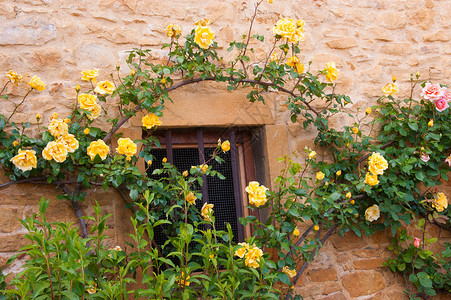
column 164, row 159
column 15, row 143
column 432, row 92
column 25, row 160
column 316, row 227
column 207, row 211
column 416, row 242
column 275, row 56
column 86, row 131
column 126, row 146
column 296, row 232
column 448, row 160
column 54, row 116
column 331, row 72
column 372, row 213
column 37, row 84
column 94, row 112
column 204, row 168
column 90, row 75
column 377, row 164
column 191, row 198
column 371, row 179
column 185, row 173
column 440, row 202
column 70, row 141
column 424, row 157
column 252, row 257
column 348, row 195
column 390, row 89
column 441, row 104
column 257, row 193
column 240, row 252
column 289, row 29
column 98, row 147
column 225, row 146
column 202, row 22
column 173, row 30
column 296, row 64
column 319, row 175
column 104, row 87
column 58, row 127
column 368, row 110
column 14, row 77
column 312, row 154
column 55, row 150
column 338, row 173
column 290, row 273
column 151, row 120
column 355, row 130
column 204, row 36
column 87, row 101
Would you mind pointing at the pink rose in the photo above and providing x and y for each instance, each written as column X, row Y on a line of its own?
column 446, row 95
column 432, row 91
column 416, row 242
column 424, row 157
column 441, row 104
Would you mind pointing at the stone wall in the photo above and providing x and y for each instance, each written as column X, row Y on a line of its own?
column 369, row 40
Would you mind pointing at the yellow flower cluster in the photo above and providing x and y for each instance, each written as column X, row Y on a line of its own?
column 88, row 102
column 257, row 193
column 90, row 75
column 251, row 254
column 372, row 213
column 296, row 64
column 173, row 30
column 14, row 77
column 331, row 72
column 58, row 127
column 105, row 87
column 390, row 89
column 207, row 211
column 37, row 84
column 151, row 120
column 289, row 29
column 58, row 149
column 440, row 202
column 126, row 146
column 183, row 280
column 290, row 273
column 98, row 147
column 25, row 160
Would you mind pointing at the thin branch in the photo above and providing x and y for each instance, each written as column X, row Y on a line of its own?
column 17, row 106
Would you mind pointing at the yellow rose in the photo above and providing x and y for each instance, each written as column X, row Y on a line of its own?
column 207, row 211
column 202, row 22
column 204, row 168
column 204, row 37
column 371, row 179
column 338, row 173
column 312, row 154
column 126, row 146
column 163, row 80
column 57, row 127
column 352, row 201
column 372, row 213
column 86, row 131
column 70, row 141
column 390, row 89
column 296, row 232
column 257, row 193
column 368, row 110
column 77, row 88
column 54, row 116
column 104, row 87
column 191, row 198
column 348, row 195
column 14, row 77
column 164, row 159
column 185, row 173
column 377, row 164
column 86, row 101
column 37, row 84
column 94, row 112
column 275, row 56
column 90, row 75
column 331, row 72
column 225, row 146
column 290, row 273
column 66, row 120
column 319, row 175
column 296, row 64
column 316, row 227
column 440, row 202
column 15, row 143
column 56, row 151
column 240, row 252
column 284, row 28
column 151, row 120
column 431, row 123
column 25, row 160
column 173, row 30
column 252, row 257
column 98, row 147
column 355, row 130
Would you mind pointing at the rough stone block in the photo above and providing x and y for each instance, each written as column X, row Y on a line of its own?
column 363, row 283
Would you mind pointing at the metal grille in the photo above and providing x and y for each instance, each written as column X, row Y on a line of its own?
column 220, row 192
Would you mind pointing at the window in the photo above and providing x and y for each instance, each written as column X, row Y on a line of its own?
column 185, row 148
